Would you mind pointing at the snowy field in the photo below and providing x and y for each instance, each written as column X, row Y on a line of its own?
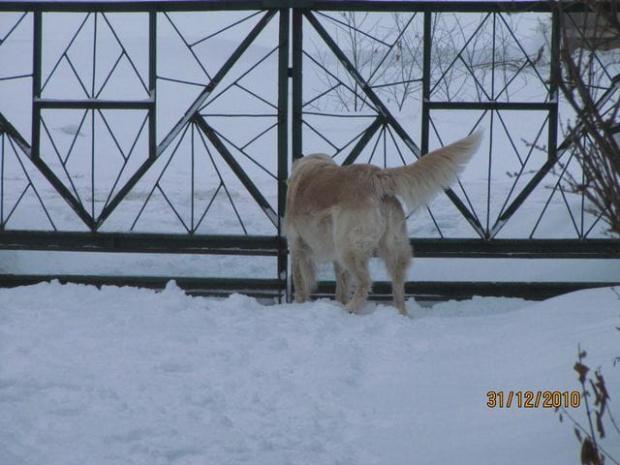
column 126, row 376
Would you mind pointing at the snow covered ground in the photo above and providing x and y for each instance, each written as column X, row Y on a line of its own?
column 129, row 376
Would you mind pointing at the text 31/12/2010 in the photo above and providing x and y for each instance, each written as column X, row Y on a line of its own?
column 533, row 399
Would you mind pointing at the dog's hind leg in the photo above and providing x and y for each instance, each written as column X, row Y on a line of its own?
column 357, row 265
column 304, row 272
column 343, row 283
column 395, row 250
column 397, row 263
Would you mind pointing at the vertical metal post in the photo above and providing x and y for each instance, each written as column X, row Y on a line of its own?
column 2, row 157
column 555, row 71
column 36, row 82
column 426, row 81
column 283, row 62
column 297, row 75
column 93, row 114
column 153, row 84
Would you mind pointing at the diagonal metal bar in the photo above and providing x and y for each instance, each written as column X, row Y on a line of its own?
column 376, row 144
column 64, row 166
column 255, row 95
column 7, row 128
column 230, row 26
column 594, row 223
column 77, row 75
column 366, row 88
column 398, row 150
column 181, row 81
column 208, row 90
column 459, row 55
column 64, row 53
column 30, row 183
column 65, row 193
column 569, row 210
column 125, row 163
column 243, row 152
column 111, row 133
column 172, row 207
column 123, row 191
column 16, row 205
column 553, row 190
column 75, row 137
column 344, row 26
column 321, row 95
column 321, row 136
column 236, row 82
column 588, row 42
column 221, row 185
column 109, row 76
column 8, row 34
column 477, row 82
column 391, row 47
column 525, row 54
column 12, row 78
column 258, row 136
column 187, row 44
column 363, row 98
column 338, row 150
column 523, row 163
column 236, row 168
column 149, row 162
column 124, row 51
column 361, row 144
column 204, row 214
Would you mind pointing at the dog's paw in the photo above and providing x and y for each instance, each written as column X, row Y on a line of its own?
column 351, row 309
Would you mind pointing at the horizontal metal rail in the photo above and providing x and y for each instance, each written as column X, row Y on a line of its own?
column 325, row 5
column 272, row 289
column 273, row 245
column 139, row 243
column 267, row 288
column 90, row 104
column 461, row 290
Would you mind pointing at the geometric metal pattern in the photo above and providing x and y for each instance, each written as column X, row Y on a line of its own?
column 139, row 120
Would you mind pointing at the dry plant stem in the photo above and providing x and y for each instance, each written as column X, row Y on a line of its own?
column 596, row 145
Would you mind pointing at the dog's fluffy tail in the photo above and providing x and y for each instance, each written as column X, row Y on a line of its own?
column 419, row 182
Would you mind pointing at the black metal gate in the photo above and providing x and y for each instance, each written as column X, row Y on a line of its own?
column 168, row 128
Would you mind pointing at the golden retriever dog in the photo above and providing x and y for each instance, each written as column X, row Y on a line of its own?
column 348, row 214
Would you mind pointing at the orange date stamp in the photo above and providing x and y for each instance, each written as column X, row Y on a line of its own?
column 533, row 399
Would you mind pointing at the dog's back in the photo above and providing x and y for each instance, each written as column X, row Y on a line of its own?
column 318, row 184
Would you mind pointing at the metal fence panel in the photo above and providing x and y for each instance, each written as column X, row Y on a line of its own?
column 169, row 127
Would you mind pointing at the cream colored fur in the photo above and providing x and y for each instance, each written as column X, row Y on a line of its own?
column 347, row 214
